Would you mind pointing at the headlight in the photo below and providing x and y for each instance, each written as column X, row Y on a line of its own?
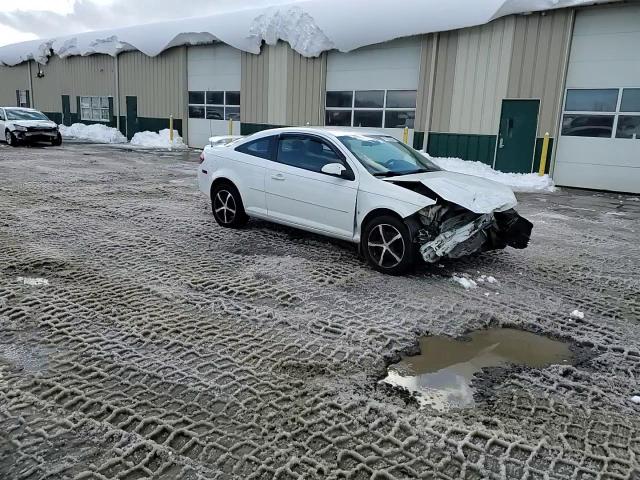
column 20, row 128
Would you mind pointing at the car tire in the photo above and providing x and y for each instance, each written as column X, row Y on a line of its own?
column 387, row 246
column 10, row 138
column 227, row 206
column 56, row 142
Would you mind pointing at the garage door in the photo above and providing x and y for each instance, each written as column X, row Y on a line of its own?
column 599, row 142
column 214, row 92
column 374, row 87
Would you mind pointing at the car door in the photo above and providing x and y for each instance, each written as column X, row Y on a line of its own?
column 247, row 170
column 298, row 193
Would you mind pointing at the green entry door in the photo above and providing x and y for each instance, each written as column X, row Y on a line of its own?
column 517, row 135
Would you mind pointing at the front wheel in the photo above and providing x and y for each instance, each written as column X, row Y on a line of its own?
column 387, row 246
column 10, row 138
column 227, row 207
column 56, row 142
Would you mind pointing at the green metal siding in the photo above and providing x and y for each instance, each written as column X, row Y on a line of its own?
column 249, row 128
column 418, row 140
column 479, row 148
column 538, row 151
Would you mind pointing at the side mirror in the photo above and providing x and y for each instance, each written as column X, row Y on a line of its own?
column 335, row 169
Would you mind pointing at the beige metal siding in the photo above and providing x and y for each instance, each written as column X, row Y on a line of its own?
column 443, row 88
column 159, row 82
column 427, row 44
column 481, row 76
column 73, row 76
column 254, row 87
column 538, row 61
column 12, row 79
column 280, row 87
column 306, row 81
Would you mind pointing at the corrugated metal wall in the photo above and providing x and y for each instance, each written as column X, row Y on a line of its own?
column 74, row 76
column 481, row 76
column 160, row 83
column 538, row 62
column 427, row 44
column 280, row 87
column 12, row 79
column 254, row 88
column 443, row 86
column 306, row 82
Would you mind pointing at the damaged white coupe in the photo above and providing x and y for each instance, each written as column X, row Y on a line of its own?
column 364, row 187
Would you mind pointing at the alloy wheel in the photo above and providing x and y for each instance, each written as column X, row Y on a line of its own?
column 7, row 136
column 386, row 245
column 224, row 206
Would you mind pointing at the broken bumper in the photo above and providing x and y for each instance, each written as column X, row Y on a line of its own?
column 490, row 231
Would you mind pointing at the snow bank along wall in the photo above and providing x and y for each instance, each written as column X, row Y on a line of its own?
column 486, row 93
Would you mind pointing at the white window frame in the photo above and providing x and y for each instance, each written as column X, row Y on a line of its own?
column 102, row 100
column 224, row 105
column 384, row 107
column 614, row 113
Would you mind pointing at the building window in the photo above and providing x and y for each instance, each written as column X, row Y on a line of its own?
column 95, row 109
column 23, row 98
column 603, row 113
column 215, row 105
column 371, row 108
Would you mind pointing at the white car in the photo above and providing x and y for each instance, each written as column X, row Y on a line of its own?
column 362, row 186
column 25, row 125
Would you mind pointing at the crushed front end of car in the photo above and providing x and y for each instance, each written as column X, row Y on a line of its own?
column 447, row 230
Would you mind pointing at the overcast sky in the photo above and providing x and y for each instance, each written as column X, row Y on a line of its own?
column 49, row 18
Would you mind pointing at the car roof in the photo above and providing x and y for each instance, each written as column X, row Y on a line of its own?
column 335, row 131
column 21, row 108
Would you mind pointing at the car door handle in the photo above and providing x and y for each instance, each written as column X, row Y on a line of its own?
column 278, row 176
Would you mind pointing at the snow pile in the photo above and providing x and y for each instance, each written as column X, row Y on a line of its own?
column 310, row 26
column 577, row 314
column 467, row 283
column 485, row 278
column 519, row 182
column 158, row 140
column 636, row 399
column 97, row 133
column 34, row 282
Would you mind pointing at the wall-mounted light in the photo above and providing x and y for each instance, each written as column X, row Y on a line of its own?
column 40, row 73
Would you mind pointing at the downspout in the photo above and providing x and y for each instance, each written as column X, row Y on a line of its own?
column 431, row 87
column 32, row 100
column 117, row 80
column 563, row 87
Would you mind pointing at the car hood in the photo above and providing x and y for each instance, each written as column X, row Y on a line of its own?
column 473, row 193
column 35, row 123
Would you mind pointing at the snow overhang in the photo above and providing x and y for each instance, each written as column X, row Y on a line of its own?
column 309, row 26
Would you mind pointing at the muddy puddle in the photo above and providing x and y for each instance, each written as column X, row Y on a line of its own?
column 440, row 376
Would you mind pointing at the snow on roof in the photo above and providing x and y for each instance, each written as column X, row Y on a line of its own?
column 309, row 26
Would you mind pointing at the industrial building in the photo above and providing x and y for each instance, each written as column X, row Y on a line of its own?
column 487, row 93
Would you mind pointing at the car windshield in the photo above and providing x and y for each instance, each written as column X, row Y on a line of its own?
column 15, row 114
column 384, row 156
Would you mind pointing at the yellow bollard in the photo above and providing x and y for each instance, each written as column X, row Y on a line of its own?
column 230, row 127
column 171, row 128
column 405, row 136
column 543, row 154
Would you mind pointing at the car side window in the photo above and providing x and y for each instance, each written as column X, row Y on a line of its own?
column 306, row 152
column 262, row 147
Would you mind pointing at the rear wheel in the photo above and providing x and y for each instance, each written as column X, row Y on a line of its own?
column 227, row 207
column 10, row 138
column 387, row 245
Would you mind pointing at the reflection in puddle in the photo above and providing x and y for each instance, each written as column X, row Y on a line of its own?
column 441, row 375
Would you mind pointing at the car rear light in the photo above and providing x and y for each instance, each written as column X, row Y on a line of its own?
column 202, row 157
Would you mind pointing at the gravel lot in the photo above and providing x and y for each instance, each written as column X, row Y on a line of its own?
column 162, row 346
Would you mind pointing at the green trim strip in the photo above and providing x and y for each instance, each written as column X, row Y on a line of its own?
column 479, row 148
column 249, row 128
column 418, row 140
column 538, row 152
